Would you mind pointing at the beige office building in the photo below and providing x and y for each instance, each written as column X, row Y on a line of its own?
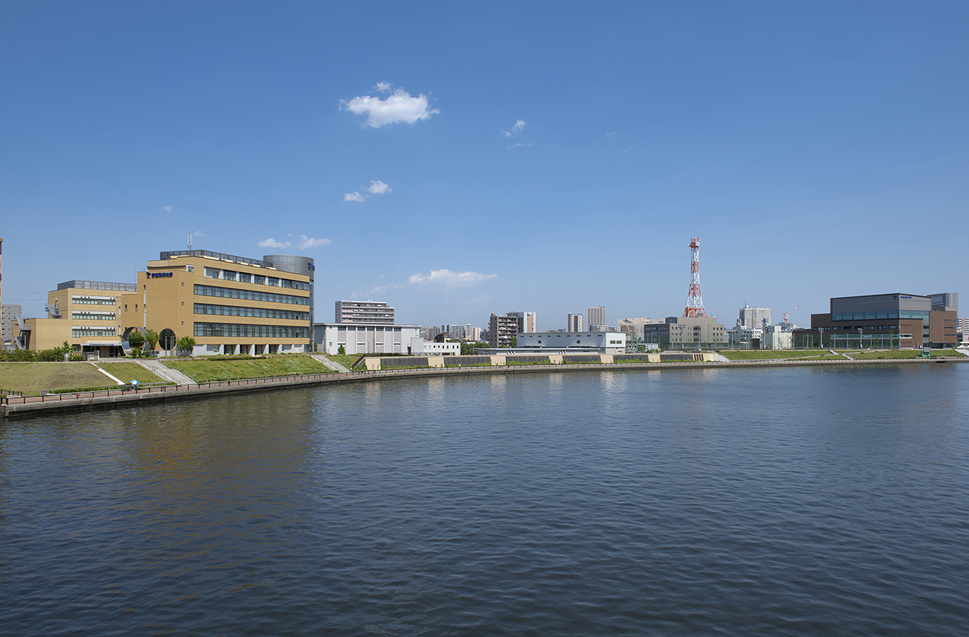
column 84, row 314
column 228, row 304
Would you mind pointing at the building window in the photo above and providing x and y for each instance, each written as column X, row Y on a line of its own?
column 249, row 295
column 236, row 330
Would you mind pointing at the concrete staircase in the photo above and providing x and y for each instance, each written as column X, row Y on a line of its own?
column 158, row 369
column 337, row 367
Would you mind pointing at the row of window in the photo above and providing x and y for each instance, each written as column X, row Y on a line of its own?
column 249, row 295
column 880, row 314
column 79, row 332
column 255, row 312
column 87, row 300
column 93, row 316
column 245, row 277
column 236, row 330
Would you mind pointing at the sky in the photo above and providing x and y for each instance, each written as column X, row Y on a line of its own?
column 461, row 159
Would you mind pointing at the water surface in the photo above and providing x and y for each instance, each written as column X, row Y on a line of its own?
column 788, row 501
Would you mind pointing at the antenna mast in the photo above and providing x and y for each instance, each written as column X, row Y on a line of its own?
column 694, row 301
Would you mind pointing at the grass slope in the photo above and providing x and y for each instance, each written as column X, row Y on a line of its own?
column 32, row 378
column 772, row 354
column 131, row 371
column 230, row 369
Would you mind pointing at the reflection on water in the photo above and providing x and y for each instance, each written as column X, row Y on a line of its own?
column 819, row 500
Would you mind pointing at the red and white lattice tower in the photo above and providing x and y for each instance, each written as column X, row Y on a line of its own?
column 694, row 302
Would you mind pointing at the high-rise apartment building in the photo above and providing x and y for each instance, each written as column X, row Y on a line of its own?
column 574, row 323
column 527, row 320
column 364, row 312
column 502, row 329
column 597, row 318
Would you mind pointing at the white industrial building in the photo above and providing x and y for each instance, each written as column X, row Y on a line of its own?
column 420, row 347
column 365, row 338
column 565, row 343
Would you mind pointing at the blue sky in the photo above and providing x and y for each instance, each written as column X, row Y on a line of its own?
column 457, row 160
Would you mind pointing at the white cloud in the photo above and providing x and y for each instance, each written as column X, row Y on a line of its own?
column 517, row 128
column 303, row 243
column 369, row 293
column 521, row 145
column 383, row 87
column 308, row 242
column 353, row 196
column 394, row 109
column 272, row 243
column 378, row 187
column 198, row 233
column 449, row 279
column 611, row 133
column 167, row 208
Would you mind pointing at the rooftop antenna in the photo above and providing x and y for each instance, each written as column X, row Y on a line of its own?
column 694, row 301
column 190, row 241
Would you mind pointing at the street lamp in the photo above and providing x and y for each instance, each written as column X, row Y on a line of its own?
column 860, row 346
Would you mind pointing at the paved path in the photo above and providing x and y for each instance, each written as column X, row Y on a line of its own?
column 335, row 366
column 158, row 369
column 839, row 354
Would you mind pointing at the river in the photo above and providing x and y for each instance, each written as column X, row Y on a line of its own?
column 764, row 501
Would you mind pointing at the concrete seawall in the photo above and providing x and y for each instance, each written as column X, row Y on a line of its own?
column 89, row 401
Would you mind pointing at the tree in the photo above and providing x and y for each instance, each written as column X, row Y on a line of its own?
column 185, row 344
column 514, row 341
column 342, row 351
column 136, row 339
column 151, row 337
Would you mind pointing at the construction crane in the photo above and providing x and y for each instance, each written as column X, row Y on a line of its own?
column 786, row 314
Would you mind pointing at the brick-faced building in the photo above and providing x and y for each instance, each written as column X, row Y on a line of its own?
column 900, row 320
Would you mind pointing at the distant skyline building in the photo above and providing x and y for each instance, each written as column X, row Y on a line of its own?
column 374, row 312
column 596, row 317
column 754, row 317
column 528, row 321
column 574, row 323
column 9, row 314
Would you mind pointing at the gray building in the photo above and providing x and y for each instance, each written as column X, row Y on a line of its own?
column 753, row 317
column 9, row 314
column 573, row 323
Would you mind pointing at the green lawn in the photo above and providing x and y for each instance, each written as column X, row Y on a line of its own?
column 230, row 369
column 131, row 371
column 775, row 354
column 32, row 378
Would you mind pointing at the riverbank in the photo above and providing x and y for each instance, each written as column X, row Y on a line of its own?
column 20, row 406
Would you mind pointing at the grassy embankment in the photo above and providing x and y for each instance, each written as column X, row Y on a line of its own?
column 203, row 371
column 862, row 355
column 779, row 354
column 33, row 378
